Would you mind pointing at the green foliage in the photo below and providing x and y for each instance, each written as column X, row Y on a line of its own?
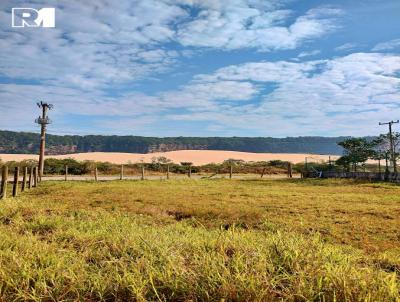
column 21, row 142
column 57, row 166
column 356, row 151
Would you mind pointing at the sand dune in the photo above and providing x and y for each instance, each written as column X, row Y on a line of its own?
column 197, row 157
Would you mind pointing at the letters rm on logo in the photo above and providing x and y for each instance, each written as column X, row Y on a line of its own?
column 30, row 17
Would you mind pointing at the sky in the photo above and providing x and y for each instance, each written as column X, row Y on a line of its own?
column 204, row 67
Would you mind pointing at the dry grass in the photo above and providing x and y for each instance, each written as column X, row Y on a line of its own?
column 202, row 240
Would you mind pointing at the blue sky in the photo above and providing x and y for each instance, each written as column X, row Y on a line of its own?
column 204, row 67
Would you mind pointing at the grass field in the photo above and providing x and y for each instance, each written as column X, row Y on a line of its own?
column 202, row 240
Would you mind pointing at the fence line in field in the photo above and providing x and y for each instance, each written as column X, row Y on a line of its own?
column 31, row 179
column 377, row 176
column 27, row 182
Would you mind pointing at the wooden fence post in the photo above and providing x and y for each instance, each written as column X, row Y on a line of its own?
column 35, row 177
column 230, row 171
column 4, row 180
column 66, row 172
column 190, row 171
column 263, row 172
column 30, row 178
column 142, row 172
column 290, row 170
column 167, row 171
column 122, row 173
column 15, row 184
column 24, row 178
column 95, row 174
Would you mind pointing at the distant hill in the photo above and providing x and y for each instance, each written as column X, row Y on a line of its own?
column 24, row 142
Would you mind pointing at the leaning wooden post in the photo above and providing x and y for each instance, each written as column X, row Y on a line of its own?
column 66, row 172
column 290, row 170
column 24, row 178
column 167, row 171
column 95, row 174
column 190, row 171
column 35, row 176
column 230, row 171
column 30, row 178
column 263, row 172
column 4, row 180
column 121, row 177
column 142, row 172
column 15, row 184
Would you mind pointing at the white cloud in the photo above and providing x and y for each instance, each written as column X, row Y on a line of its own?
column 240, row 26
column 344, row 96
column 97, row 46
column 389, row 45
column 346, row 47
column 309, row 53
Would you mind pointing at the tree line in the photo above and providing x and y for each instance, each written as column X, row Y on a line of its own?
column 24, row 142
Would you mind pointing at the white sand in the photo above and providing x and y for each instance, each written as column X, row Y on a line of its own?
column 197, row 157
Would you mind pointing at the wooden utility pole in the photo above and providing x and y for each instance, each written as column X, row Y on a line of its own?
column 15, row 184
column 392, row 145
column 43, row 121
column 24, row 178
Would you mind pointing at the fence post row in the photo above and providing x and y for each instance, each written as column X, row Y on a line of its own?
column 4, row 180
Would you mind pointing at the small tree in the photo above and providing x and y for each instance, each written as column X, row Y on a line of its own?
column 356, row 151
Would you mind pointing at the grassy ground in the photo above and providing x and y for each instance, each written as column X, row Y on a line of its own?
column 202, row 240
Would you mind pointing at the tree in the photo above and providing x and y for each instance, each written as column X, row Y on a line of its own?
column 356, row 151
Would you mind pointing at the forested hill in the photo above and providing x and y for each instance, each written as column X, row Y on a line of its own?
column 23, row 142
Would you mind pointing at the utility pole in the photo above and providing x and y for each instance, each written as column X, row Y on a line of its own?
column 43, row 121
column 392, row 146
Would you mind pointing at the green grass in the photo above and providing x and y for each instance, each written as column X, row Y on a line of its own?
column 202, row 240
